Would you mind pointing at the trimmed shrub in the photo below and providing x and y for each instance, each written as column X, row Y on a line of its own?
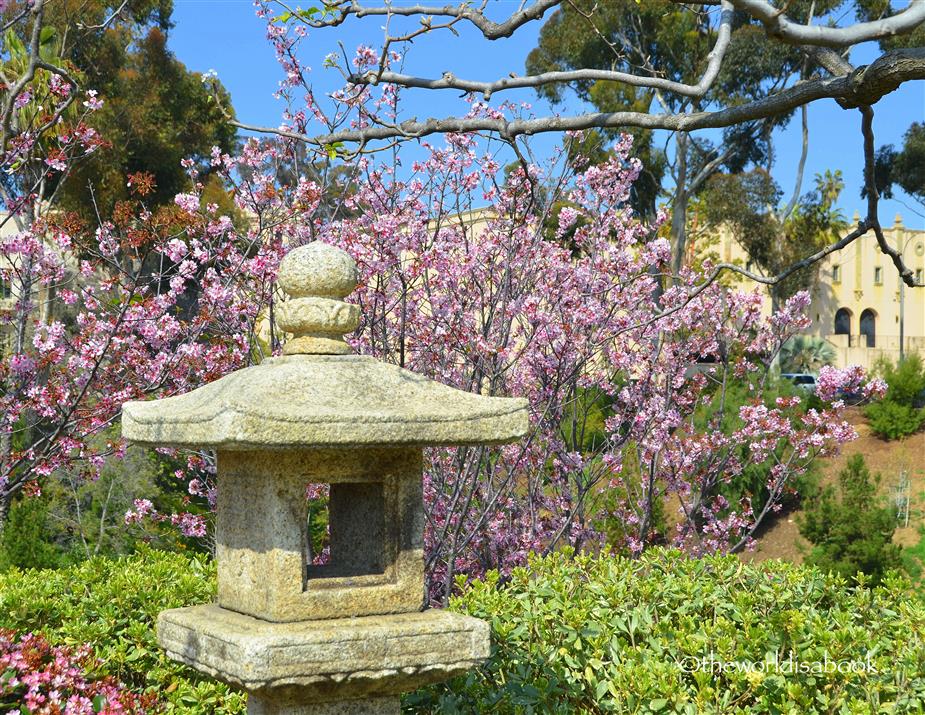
column 899, row 413
column 583, row 635
column 891, row 420
column 112, row 605
column 670, row 634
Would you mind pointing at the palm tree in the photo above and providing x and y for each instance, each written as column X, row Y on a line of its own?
column 805, row 353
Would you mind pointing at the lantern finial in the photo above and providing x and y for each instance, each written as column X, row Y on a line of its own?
column 317, row 277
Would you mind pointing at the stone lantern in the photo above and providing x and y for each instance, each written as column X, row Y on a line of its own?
column 348, row 636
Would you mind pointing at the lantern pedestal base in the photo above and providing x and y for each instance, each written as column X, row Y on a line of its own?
column 368, row 660
column 388, row 705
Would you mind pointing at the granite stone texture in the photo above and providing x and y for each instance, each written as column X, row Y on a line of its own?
column 323, row 400
column 388, row 705
column 317, row 269
column 316, row 277
column 376, row 519
column 323, row 661
column 345, row 637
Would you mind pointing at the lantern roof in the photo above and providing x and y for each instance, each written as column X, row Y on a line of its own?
column 317, row 394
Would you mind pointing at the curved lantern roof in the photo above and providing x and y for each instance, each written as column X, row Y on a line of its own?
column 317, row 394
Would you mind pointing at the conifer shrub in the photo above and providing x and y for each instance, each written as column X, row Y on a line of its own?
column 851, row 529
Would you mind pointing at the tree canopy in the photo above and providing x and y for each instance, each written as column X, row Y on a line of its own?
column 155, row 111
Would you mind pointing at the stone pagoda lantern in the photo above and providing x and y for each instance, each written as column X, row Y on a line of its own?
column 348, row 636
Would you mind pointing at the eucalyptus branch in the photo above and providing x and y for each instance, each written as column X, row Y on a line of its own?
column 779, row 26
column 487, row 89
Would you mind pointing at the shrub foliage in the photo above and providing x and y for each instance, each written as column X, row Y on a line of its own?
column 570, row 634
column 658, row 634
column 899, row 413
column 112, row 605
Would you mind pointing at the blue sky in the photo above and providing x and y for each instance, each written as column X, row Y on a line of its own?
column 226, row 36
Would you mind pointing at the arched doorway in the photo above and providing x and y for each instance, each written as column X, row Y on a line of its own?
column 869, row 326
column 843, row 321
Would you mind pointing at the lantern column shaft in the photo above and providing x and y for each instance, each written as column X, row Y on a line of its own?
column 389, row 705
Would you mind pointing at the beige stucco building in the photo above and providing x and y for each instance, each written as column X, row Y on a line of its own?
column 859, row 305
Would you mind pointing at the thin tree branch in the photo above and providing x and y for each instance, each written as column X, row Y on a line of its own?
column 464, row 11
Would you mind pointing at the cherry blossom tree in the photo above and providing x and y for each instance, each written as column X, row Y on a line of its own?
column 485, row 301
column 538, row 281
column 695, row 93
column 145, row 302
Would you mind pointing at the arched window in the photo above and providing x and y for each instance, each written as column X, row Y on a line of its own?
column 869, row 326
column 843, row 321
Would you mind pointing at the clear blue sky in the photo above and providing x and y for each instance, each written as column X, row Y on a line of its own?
column 225, row 35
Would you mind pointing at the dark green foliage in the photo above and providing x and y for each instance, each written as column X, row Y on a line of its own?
column 851, row 531
column 29, row 538
column 891, row 420
column 155, row 114
column 875, row 9
column 905, row 167
column 615, row 635
column 113, row 605
column 899, row 414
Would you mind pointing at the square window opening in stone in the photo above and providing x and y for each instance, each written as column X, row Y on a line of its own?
column 356, row 545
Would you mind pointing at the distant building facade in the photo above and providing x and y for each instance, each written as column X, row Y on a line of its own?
column 860, row 306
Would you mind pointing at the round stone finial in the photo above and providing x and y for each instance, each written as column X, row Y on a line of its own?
column 318, row 269
column 316, row 277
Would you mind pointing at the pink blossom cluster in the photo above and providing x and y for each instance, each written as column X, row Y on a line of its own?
column 149, row 303
column 54, row 680
column 510, row 300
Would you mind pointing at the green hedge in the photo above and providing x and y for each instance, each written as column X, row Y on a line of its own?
column 112, row 604
column 589, row 635
column 601, row 635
